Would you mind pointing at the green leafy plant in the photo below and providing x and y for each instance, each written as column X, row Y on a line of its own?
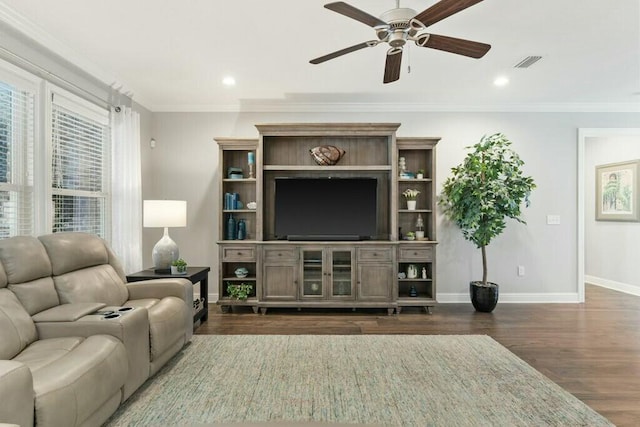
column 180, row 264
column 239, row 291
column 485, row 189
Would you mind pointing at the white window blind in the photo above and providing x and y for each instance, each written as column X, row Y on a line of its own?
column 79, row 167
column 17, row 133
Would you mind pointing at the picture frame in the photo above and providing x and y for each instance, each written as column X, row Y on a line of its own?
column 617, row 191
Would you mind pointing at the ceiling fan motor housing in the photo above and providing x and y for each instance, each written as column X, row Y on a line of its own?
column 399, row 28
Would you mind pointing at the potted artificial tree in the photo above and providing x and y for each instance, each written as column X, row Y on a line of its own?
column 488, row 187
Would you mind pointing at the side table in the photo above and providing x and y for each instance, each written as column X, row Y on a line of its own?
column 198, row 275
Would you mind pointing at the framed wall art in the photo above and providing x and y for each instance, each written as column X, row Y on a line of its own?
column 617, row 191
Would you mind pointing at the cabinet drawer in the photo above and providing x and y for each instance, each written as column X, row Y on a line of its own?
column 375, row 254
column 280, row 254
column 416, row 254
column 238, row 253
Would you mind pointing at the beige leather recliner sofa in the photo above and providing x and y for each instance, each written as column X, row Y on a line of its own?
column 76, row 340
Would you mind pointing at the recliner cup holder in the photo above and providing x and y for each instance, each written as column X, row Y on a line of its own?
column 114, row 314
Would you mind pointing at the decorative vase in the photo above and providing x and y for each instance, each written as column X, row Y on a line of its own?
column 412, row 271
column 484, row 298
column 411, row 205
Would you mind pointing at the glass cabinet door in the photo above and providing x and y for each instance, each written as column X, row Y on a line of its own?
column 312, row 285
column 341, row 273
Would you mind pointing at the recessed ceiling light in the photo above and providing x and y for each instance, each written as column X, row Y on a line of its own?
column 501, row 81
column 229, row 81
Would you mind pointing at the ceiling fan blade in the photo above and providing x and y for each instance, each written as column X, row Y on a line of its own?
column 354, row 13
column 392, row 66
column 344, row 51
column 443, row 9
column 454, row 45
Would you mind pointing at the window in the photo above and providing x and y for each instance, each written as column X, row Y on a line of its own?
column 17, row 134
column 54, row 159
column 79, row 166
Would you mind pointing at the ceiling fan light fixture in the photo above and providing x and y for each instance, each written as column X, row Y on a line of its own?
column 397, row 39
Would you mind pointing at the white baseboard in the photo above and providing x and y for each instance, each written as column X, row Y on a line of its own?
column 447, row 298
column 611, row 284
column 568, row 297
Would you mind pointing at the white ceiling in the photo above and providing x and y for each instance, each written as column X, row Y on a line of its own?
column 172, row 55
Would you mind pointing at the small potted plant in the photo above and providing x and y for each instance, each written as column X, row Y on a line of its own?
column 420, row 174
column 239, row 291
column 179, row 266
column 411, row 235
column 411, row 195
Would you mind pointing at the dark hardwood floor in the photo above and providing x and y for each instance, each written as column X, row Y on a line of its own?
column 592, row 350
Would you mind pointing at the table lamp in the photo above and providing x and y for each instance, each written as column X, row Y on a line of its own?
column 164, row 213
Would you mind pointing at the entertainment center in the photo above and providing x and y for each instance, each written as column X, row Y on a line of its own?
column 330, row 236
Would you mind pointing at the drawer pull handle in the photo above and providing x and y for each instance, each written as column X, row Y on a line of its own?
column 239, row 253
column 415, row 253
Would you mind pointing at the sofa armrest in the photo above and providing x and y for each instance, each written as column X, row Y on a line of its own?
column 160, row 288
column 16, row 394
column 169, row 287
column 67, row 312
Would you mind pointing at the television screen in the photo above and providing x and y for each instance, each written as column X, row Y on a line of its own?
column 325, row 208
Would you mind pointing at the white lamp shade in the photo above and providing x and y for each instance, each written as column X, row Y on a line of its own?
column 164, row 213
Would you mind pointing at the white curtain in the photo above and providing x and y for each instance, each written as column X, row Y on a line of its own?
column 126, row 188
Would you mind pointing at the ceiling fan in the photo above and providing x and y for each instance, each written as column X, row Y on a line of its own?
column 397, row 26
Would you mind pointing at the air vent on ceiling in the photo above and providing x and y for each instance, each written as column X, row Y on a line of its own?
column 527, row 62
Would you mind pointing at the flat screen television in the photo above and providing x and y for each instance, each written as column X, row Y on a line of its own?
column 325, row 208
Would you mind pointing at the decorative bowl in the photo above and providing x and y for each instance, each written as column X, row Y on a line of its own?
column 241, row 272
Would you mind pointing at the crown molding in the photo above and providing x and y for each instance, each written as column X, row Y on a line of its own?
column 405, row 107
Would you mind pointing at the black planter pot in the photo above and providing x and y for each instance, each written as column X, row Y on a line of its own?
column 484, row 298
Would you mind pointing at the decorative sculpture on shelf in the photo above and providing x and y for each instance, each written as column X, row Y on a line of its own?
column 326, row 155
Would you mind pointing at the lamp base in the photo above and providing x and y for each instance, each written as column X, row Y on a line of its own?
column 164, row 253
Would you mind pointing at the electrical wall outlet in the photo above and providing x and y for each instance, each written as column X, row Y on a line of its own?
column 553, row 219
column 521, row 270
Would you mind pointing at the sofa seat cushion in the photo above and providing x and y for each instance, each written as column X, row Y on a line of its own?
column 44, row 352
column 88, row 375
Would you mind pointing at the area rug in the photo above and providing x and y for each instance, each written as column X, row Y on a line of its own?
column 387, row 380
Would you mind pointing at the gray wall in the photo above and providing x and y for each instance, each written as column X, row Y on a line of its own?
column 184, row 166
column 611, row 248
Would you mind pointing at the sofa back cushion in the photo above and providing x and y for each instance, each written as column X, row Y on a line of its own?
column 17, row 330
column 73, row 251
column 36, row 295
column 24, row 259
column 25, row 269
column 82, row 271
column 100, row 283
